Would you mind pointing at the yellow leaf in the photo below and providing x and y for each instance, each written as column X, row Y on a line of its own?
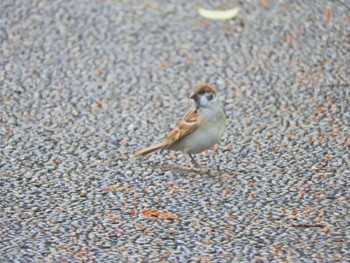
column 218, row 14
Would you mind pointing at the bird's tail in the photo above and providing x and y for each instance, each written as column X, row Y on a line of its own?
column 149, row 149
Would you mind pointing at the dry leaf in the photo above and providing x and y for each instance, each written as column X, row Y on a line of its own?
column 204, row 259
column 321, row 110
column 264, row 3
column 227, row 192
column 329, row 13
column 218, row 14
column 335, row 133
column 326, row 159
column 164, row 65
column 146, row 232
column 57, row 161
column 228, row 234
column 140, row 227
column 252, row 184
column 278, row 248
column 115, row 218
column 155, row 215
column 99, row 72
column 101, row 102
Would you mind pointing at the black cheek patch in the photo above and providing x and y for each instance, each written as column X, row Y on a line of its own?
column 210, row 96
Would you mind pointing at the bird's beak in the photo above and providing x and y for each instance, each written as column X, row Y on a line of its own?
column 193, row 96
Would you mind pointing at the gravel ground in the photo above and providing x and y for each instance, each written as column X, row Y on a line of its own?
column 86, row 83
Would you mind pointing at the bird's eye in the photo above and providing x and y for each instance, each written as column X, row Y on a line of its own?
column 201, row 91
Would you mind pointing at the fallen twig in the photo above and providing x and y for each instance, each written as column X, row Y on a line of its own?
column 307, row 225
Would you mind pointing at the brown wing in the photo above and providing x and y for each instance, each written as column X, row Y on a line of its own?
column 187, row 125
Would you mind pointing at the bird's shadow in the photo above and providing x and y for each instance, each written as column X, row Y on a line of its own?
column 202, row 171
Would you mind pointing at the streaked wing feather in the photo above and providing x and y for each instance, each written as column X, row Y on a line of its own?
column 187, row 125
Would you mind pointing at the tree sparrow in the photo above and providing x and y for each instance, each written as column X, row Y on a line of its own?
column 200, row 129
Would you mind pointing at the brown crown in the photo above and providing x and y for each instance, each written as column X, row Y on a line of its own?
column 203, row 86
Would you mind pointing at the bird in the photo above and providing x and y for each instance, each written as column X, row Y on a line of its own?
column 200, row 129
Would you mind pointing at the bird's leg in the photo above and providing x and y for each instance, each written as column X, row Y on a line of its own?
column 193, row 162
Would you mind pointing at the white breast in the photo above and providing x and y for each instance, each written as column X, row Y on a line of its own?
column 208, row 134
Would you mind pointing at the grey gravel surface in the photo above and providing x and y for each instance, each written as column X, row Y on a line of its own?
column 86, row 83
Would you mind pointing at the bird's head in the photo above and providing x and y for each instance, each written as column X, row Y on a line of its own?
column 203, row 95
